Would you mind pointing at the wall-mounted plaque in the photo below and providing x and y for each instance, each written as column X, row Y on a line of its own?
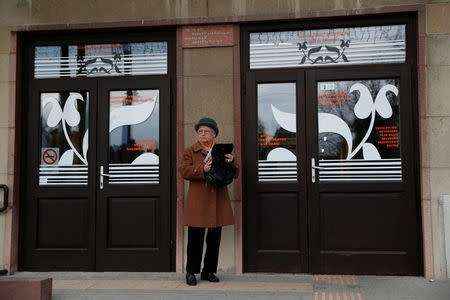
column 207, row 36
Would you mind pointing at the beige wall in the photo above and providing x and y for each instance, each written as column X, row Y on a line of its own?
column 208, row 92
column 207, row 76
column 438, row 40
column 69, row 11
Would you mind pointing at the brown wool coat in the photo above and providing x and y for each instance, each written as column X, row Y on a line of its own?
column 206, row 206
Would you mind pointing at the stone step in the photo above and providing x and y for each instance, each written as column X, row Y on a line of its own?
column 26, row 288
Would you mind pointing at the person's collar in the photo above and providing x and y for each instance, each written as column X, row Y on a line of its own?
column 207, row 148
column 197, row 147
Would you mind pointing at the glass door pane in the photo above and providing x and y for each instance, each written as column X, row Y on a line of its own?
column 277, row 132
column 359, row 130
column 64, row 138
column 134, row 136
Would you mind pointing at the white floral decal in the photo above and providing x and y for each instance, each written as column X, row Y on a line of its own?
column 70, row 116
column 364, row 108
column 125, row 115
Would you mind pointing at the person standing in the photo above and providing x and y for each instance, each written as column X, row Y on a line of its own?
column 206, row 207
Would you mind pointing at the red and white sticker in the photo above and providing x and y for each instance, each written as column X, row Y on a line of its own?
column 50, row 156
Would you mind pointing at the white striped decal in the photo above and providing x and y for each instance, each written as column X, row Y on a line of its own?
column 360, row 170
column 63, row 175
column 133, row 174
column 277, row 171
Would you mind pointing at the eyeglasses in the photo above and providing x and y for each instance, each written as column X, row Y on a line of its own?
column 201, row 131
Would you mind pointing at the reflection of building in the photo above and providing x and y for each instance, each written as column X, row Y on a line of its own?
column 218, row 77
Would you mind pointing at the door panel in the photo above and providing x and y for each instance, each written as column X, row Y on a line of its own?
column 60, row 202
column 72, row 216
column 348, row 205
column 57, row 213
column 273, row 234
column 276, row 194
column 97, row 101
column 363, row 193
column 133, row 215
column 143, row 222
column 345, row 224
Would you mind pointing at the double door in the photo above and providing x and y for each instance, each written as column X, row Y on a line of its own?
column 329, row 171
column 97, row 168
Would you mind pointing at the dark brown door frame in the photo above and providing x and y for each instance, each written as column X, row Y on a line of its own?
column 410, row 19
column 28, row 41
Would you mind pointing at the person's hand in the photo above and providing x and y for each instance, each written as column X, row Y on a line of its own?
column 207, row 166
column 229, row 158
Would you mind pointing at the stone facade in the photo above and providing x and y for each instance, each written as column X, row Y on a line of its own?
column 207, row 77
column 438, row 118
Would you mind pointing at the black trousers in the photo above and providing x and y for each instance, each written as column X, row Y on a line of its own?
column 196, row 237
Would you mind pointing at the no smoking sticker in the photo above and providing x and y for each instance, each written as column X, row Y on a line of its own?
column 49, row 156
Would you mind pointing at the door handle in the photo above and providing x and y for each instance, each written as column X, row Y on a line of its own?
column 102, row 174
column 5, row 197
column 313, row 170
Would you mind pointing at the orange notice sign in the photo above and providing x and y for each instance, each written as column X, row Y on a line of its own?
column 143, row 145
column 207, row 36
column 270, row 140
column 131, row 98
column 388, row 136
column 332, row 99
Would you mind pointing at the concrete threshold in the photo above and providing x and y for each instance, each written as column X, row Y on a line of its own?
column 133, row 285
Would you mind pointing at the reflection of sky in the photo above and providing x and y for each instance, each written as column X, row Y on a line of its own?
column 280, row 95
column 149, row 129
column 48, row 51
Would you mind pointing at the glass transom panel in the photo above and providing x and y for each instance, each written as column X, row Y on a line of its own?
column 336, row 46
column 94, row 60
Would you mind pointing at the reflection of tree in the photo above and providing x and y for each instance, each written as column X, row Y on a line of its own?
column 127, row 63
column 261, row 128
column 332, row 146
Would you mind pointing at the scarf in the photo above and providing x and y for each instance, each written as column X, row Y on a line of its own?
column 206, row 148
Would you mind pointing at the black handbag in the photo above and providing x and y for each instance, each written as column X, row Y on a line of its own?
column 221, row 172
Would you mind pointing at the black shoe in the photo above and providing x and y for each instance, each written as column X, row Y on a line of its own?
column 209, row 276
column 190, row 279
